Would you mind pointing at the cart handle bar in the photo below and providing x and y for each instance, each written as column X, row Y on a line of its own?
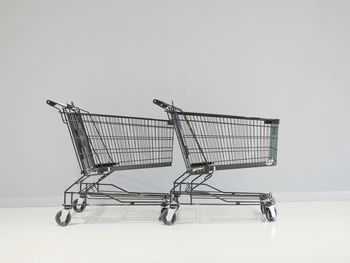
column 161, row 103
column 62, row 105
column 165, row 105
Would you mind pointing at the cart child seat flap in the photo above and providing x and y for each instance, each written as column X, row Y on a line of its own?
column 81, row 140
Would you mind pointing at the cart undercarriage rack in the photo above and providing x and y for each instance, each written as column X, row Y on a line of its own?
column 105, row 144
column 212, row 142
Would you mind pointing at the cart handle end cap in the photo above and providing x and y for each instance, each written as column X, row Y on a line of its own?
column 51, row 103
column 161, row 103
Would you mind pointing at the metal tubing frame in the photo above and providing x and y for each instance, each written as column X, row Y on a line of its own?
column 215, row 194
column 95, row 190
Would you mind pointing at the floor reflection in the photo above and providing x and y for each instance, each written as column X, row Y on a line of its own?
column 185, row 215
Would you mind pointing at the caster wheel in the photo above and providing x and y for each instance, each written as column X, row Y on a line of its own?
column 271, row 216
column 263, row 209
column 163, row 218
column 65, row 222
column 79, row 207
column 161, row 211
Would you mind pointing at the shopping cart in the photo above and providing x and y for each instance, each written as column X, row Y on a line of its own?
column 211, row 142
column 107, row 143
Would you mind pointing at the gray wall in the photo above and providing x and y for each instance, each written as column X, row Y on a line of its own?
column 280, row 59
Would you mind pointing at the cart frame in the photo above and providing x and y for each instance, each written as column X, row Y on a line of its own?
column 211, row 142
column 104, row 144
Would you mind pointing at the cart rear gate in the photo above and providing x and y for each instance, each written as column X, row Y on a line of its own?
column 107, row 143
column 211, row 142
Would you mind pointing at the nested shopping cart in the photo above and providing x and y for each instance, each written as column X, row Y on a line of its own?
column 212, row 142
column 104, row 144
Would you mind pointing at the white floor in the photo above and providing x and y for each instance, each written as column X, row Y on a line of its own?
column 305, row 232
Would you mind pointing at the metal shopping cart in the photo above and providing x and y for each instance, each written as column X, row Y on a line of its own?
column 107, row 143
column 211, row 142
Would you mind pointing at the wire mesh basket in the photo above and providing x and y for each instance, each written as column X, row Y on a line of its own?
column 120, row 142
column 226, row 142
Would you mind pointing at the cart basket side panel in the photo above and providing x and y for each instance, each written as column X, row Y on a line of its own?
column 226, row 142
column 121, row 142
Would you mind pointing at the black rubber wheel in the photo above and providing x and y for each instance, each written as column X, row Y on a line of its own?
column 79, row 208
column 263, row 209
column 161, row 211
column 58, row 219
column 269, row 215
column 163, row 217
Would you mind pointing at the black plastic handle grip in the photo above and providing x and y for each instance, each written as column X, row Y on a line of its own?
column 51, row 103
column 161, row 103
